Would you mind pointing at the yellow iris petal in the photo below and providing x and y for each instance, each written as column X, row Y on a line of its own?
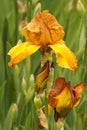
column 64, row 102
column 64, row 56
column 20, row 52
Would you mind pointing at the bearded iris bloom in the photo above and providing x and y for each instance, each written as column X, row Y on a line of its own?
column 63, row 98
column 43, row 32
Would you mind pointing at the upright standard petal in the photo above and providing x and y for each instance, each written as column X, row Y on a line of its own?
column 20, row 52
column 43, row 30
column 64, row 56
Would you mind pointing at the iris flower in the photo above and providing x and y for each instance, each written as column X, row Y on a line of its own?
column 63, row 98
column 43, row 32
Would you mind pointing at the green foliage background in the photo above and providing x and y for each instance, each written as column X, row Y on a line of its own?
column 17, row 110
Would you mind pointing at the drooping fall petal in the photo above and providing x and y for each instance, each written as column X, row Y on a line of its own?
column 64, row 56
column 20, row 52
column 78, row 90
column 64, row 102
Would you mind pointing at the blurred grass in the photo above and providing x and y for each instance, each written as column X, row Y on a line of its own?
column 15, row 82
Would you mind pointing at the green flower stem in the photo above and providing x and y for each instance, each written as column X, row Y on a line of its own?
column 46, row 57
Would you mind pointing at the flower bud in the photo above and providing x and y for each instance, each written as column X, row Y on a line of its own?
column 80, row 7
column 42, row 77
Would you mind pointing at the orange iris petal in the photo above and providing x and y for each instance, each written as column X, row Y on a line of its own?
column 43, row 30
column 78, row 90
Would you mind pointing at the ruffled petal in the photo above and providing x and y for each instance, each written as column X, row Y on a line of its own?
column 43, row 30
column 64, row 56
column 20, row 52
